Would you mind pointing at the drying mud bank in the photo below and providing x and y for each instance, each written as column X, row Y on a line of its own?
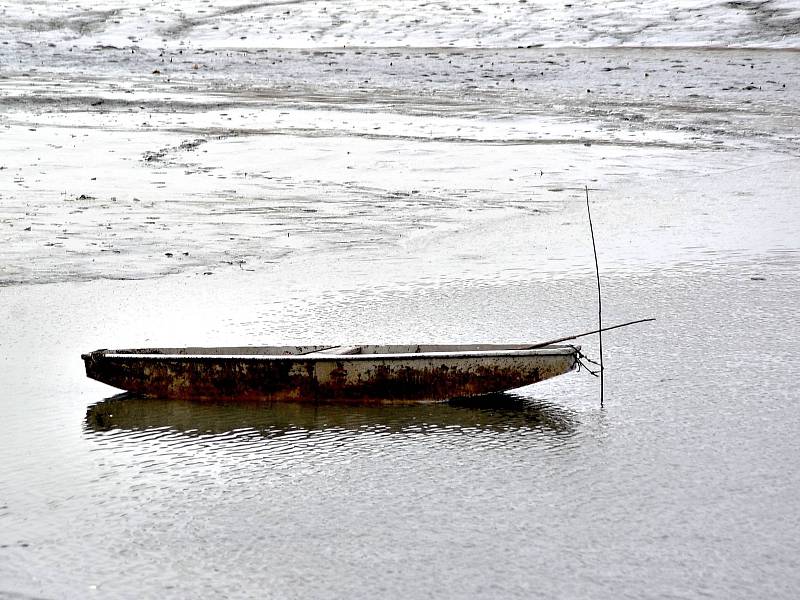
column 158, row 162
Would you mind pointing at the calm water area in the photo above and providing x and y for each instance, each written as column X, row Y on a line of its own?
column 684, row 485
column 171, row 178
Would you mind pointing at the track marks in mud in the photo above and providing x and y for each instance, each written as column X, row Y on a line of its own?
column 186, row 24
column 159, row 155
column 81, row 23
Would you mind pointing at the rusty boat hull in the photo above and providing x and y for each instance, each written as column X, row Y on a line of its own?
column 365, row 373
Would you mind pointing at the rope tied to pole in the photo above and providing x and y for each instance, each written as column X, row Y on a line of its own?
column 581, row 361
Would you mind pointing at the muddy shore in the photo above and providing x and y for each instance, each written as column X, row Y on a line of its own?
column 153, row 163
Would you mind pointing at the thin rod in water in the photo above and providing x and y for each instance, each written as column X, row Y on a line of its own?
column 599, row 297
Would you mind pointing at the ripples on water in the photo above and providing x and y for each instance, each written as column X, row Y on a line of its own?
column 281, row 434
column 684, row 482
column 325, row 490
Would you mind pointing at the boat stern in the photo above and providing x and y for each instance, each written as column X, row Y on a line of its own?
column 98, row 367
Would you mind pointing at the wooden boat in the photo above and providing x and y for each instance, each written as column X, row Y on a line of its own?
column 322, row 373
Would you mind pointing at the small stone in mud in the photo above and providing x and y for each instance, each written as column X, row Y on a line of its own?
column 168, row 254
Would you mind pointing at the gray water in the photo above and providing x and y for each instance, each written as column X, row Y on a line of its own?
column 318, row 194
column 684, row 485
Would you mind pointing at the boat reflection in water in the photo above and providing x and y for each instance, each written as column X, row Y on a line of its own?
column 495, row 412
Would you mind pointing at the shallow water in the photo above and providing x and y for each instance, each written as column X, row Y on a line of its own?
column 683, row 485
column 256, row 191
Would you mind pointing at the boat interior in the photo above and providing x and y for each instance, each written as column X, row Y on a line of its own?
column 323, row 351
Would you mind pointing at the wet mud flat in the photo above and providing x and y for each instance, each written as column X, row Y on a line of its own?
column 140, row 163
column 429, row 23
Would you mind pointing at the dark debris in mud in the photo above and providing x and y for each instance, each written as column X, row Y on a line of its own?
column 160, row 154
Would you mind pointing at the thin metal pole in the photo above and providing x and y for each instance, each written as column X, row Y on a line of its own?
column 599, row 296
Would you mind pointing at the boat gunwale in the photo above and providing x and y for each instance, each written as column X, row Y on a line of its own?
column 556, row 350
